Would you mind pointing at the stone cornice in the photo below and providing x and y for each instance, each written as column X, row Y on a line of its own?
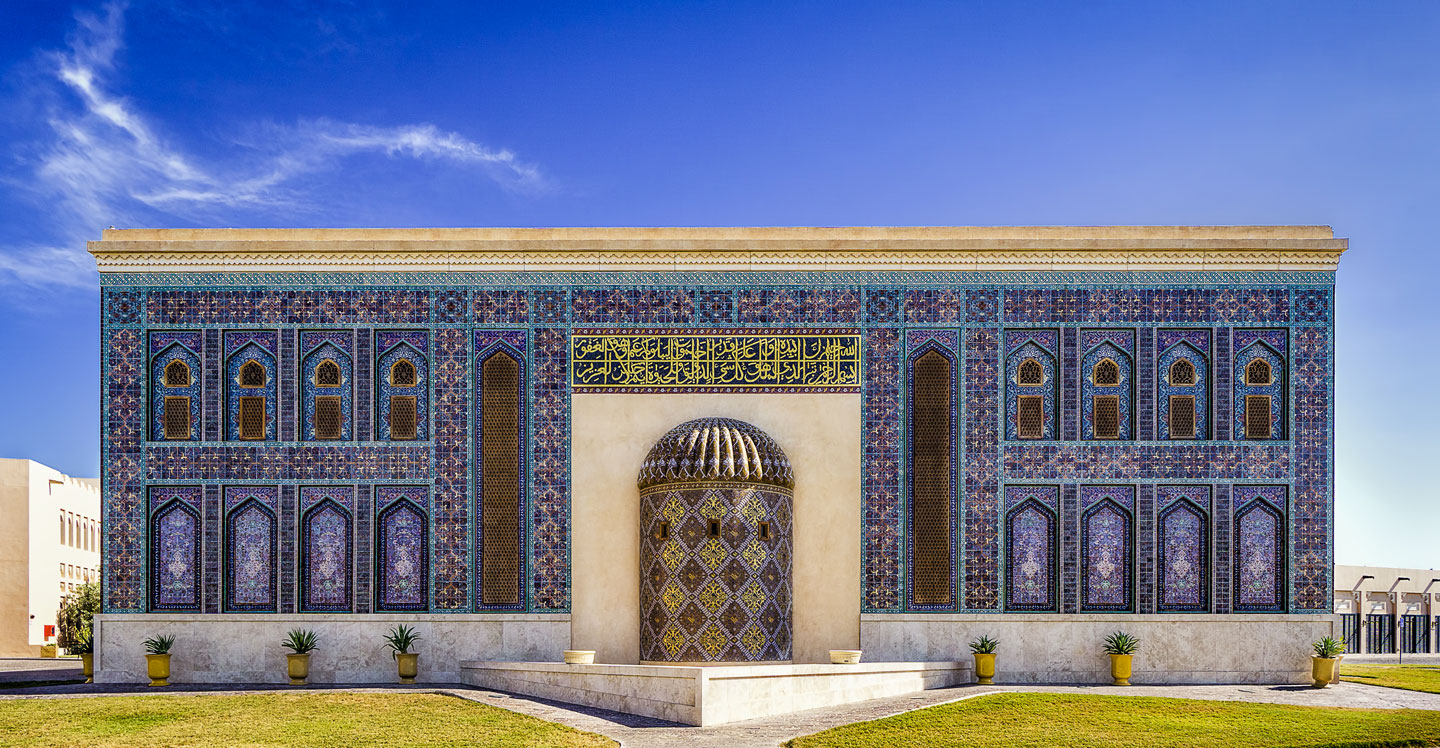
column 1198, row 248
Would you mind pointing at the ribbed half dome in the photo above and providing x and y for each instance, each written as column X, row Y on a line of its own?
column 722, row 449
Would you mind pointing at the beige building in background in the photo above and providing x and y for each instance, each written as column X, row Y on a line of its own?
column 49, row 546
column 1384, row 610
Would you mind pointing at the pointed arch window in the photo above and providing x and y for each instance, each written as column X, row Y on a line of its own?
column 327, row 374
column 1258, row 372
column 1031, row 373
column 252, row 374
column 402, row 374
column 1106, row 373
column 1182, row 373
column 177, row 374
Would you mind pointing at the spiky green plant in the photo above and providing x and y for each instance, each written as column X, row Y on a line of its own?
column 984, row 645
column 400, row 639
column 159, row 645
column 300, row 641
column 81, row 643
column 1329, row 647
column 1121, row 643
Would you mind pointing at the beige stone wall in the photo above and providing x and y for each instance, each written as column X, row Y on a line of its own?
column 245, row 648
column 610, row 435
column 15, row 559
column 1067, row 647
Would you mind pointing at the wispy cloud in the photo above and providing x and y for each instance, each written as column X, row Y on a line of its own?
column 103, row 161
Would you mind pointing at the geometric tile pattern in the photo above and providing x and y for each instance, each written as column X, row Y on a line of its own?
column 1107, row 547
column 714, row 587
column 1286, row 314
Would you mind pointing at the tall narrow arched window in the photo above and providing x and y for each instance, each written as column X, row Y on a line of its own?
column 402, row 374
column 1030, row 409
column 1258, row 372
column 177, row 374
column 501, row 465
column 1182, row 373
column 931, row 479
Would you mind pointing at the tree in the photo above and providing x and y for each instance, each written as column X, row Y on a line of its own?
column 76, row 618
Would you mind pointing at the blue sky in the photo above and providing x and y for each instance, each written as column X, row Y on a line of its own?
column 197, row 113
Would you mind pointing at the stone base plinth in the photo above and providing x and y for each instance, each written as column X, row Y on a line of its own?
column 713, row 695
column 245, row 647
column 1188, row 648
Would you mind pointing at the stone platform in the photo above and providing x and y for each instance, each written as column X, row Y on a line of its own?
column 713, row 695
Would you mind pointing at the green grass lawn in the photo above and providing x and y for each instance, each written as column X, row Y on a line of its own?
column 277, row 719
column 1409, row 677
column 1017, row 720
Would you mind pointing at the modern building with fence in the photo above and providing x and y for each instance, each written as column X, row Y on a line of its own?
column 1386, row 610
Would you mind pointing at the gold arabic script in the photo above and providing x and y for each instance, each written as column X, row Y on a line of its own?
column 680, row 360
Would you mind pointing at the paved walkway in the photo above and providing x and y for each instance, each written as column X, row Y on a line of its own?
column 38, row 670
column 642, row 732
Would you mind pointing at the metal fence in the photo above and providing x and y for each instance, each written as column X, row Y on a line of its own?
column 1380, row 633
column 1414, row 633
column 1350, row 629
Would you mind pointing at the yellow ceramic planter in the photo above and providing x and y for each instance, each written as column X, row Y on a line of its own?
column 87, row 667
column 158, row 668
column 297, row 666
column 845, row 656
column 579, row 657
column 1120, row 669
column 408, row 665
column 984, row 668
column 1323, row 670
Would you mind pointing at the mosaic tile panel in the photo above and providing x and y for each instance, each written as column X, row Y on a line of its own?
column 175, row 533
column 550, row 463
column 1026, row 348
column 1031, row 547
column 931, row 466
column 327, row 548
column 1259, row 539
column 1107, row 548
column 1260, row 345
column 982, row 469
column 251, row 554
column 1183, row 549
column 511, row 344
column 880, row 451
column 391, row 349
column 1117, row 347
column 1288, row 313
column 1180, row 349
column 317, row 348
column 242, row 348
column 402, row 548
column 721, row 595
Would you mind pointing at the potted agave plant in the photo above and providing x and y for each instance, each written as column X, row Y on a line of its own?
column 984, row 650
column 300, row 642
column 83, row 644
column 1325, row 664
column 1121, row 647
column 400, row 639
column 157, row 659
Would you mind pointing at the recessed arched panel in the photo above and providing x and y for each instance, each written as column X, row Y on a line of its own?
column 250, row 557
column 327, row 388
column 1107, row 556
column 402, row 387
column 175, row 394
column 1182, row 551
column 1107, row 385
column 1259, row 548
column 326, row 558
column 251, row 382
column 1031, row 525
column 1182, row 388
column 1031, row 385
column 402, row 568
column 1259, row 403
column 175, row 537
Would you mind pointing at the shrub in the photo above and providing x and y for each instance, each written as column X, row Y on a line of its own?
column 159, row 645
column 400, row 639
column 1121, row 643
column 984, row 645
column 300, row 641
column 1329, row 647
